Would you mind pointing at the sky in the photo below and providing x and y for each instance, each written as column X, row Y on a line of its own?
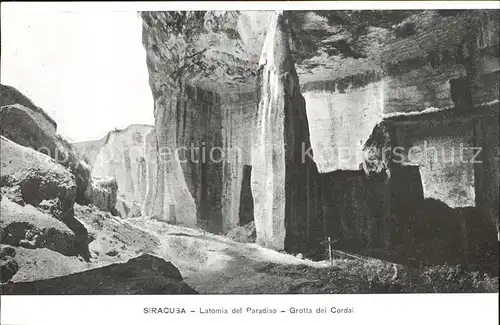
column 87, row 70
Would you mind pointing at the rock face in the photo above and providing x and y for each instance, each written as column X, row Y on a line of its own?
column 341, row 120
column 449, row 156
column 11, row 96
column 284, row 176
column 429, row 103
column 200, row 109
column 28, row 227
column 173, row 201
column 122, row 155
column 31, row 127
column 359, row 72
column 145, row 275
column 36, row 177
column 152, row 171
column 237, row 130
column 29, row 177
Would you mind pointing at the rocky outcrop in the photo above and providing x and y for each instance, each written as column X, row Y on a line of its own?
column 27, row 227
column 31, row 127
column 449, row 155
column 122, row 155
column 30, row 177
column 284, row 176
column 201, row 75
column 198, row 109
column 11, row 96
column 357, row 70
column 36, row 176
column 144, row 275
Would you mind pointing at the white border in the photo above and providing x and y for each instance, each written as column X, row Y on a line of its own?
column 403, row 309
column 409, row 309
column 242, row 5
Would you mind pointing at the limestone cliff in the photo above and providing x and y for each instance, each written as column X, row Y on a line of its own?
column 122, row 155
column 284, row 176
column 326, row 80
column 201, row 65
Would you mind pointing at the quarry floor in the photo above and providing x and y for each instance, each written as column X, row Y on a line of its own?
column 213, row 264
column 217, row 265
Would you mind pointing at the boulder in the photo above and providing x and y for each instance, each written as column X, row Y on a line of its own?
column 145, row 274
column 6, row 251
column 28, row 227
column 29, row 126
column 8, row 266
column 11, row 96
column 43, row 263
column 36, row 177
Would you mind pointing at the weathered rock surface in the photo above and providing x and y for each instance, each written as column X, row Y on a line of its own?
column 201, row 109
column 355, row 68
column 31, row 127
column 150, row 146
column 28, row 227
column 36, row 179
column 36, row 176
column 11, row 96
column 43, row 263
column 215, row 51
column 284, row 177
column 8, row 266
column 122, row 155
column 341, row 121
column 173, row 201
column 109, row 233
column 145, row 274
column 450, row 155
column 202, row 76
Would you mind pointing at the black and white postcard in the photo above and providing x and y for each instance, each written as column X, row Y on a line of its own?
column 272, row 162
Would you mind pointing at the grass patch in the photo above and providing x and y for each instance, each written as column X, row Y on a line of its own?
column 375, row 276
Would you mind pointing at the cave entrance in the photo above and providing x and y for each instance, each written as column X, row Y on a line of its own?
column 246, row 197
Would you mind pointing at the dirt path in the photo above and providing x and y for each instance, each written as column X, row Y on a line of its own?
column 215, row 264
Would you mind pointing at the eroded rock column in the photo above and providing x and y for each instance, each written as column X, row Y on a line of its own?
column 284, row 176
column 173, row 201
